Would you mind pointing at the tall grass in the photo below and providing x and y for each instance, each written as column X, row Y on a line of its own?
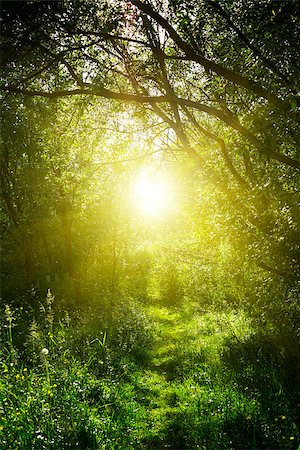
column 155, row 379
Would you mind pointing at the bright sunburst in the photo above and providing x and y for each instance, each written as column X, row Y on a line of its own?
column 152, row 194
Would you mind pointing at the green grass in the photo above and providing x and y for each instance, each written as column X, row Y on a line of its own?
column 186, row 387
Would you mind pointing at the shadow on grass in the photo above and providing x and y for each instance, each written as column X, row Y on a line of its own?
column 269, row 371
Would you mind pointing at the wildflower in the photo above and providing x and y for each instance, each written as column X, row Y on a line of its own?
column 9, row 319
column 34, row 331
column 283, row 417
column 67, row 319
column 49, row 295
column 43, row 355
column 44, row 352
column 8, row 313
column 292, row 438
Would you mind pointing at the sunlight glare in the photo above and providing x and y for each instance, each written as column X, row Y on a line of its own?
column 152, row 194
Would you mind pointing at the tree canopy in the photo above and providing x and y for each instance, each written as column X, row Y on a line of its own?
column 220, row 81
column 150, row 218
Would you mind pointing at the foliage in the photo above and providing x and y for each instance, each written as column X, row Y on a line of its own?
column 176, row 330
column 207, row 79
column 201, row 386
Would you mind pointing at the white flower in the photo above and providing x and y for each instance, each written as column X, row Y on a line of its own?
column 44, row 352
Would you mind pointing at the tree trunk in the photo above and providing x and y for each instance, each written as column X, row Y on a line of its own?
column 66, row 221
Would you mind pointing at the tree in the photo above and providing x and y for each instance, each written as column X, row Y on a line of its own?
column 222, row 82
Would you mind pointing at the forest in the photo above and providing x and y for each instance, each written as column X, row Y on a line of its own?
column 150, row 225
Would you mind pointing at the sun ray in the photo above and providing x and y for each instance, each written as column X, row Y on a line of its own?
column 152, row 194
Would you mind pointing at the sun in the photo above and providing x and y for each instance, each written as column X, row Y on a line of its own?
column 152, row 194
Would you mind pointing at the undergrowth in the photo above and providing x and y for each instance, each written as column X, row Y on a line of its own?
column 157, row 378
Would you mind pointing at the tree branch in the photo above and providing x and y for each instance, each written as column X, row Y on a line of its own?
column 222, row 146
column 89, row 89
column 228, row 74
column 268, row 63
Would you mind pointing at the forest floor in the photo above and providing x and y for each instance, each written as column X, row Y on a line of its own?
column 202, row 381
column 189, row 393
column 182, row 394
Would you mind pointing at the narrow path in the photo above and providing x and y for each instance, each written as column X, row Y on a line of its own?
column 182, row 392
column 164, row 386
column 170, row 333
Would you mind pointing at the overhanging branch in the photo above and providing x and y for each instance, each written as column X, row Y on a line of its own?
column 89, row 89
column 190, row 53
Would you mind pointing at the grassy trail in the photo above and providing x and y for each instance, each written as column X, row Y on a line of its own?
column 203, row 383
column 185, row 397
column 170, row 333
column 178, row 391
